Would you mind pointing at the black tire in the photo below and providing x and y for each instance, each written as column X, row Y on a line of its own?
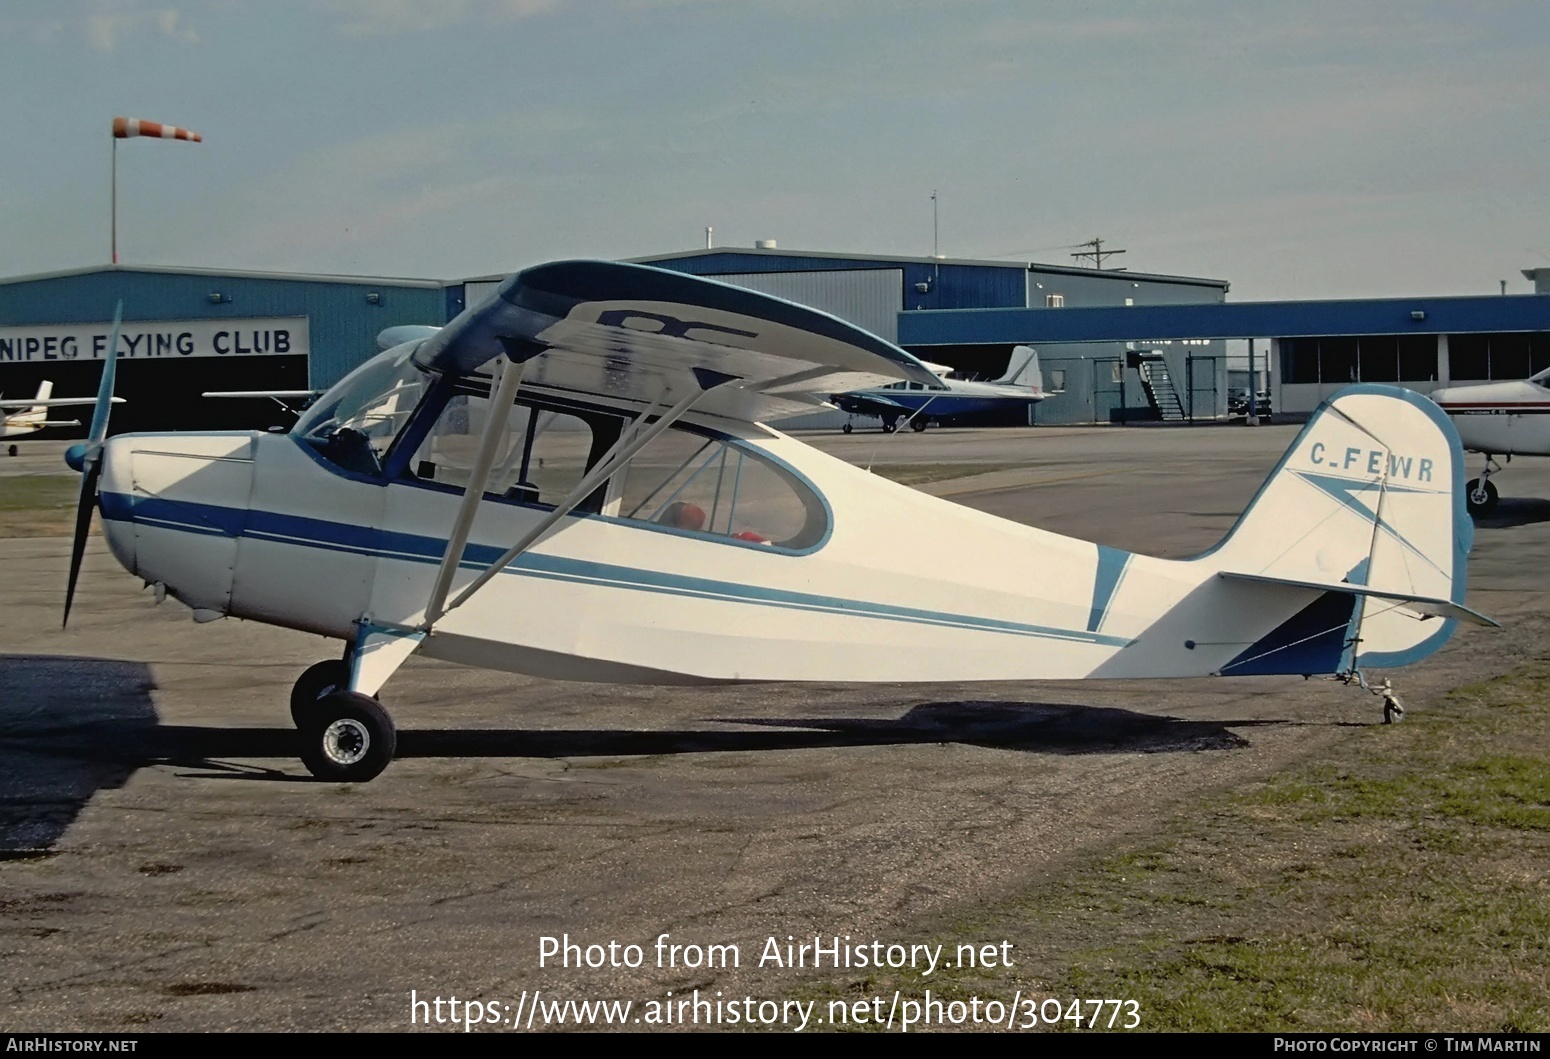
column 890, row 425
column 1480, row 496
column 918, row 424
column 846, row 429
column 318, row 681
column 350, row 739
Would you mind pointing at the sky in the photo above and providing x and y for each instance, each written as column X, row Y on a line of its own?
column 1316, row 149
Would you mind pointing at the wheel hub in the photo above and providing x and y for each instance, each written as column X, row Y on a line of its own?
column 346, row 741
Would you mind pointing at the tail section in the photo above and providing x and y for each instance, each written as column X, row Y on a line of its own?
column 1023, row 369
column 35, row 417
column 1364, row 526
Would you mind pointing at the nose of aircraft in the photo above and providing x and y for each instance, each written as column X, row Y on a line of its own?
column 172, row 507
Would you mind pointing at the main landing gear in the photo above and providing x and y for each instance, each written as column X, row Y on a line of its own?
column 1480, row 494
column 346, row 737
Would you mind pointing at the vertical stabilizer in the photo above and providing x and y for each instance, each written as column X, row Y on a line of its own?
column 1370, row 494
column 1023, row 369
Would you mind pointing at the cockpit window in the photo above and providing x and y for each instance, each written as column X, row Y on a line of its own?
column 542, row 455
column 1542, row 379
column 697, row 484
column 353, row 424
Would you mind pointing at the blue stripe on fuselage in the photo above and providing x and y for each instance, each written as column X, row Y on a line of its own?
column 407, row 547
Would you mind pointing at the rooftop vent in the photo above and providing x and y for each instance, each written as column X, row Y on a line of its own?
column 764, row 244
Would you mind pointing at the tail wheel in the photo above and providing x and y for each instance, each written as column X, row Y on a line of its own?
column 1480, row 496
column 350, row 738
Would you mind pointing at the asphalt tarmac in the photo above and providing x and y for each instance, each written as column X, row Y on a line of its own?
column 169, row 865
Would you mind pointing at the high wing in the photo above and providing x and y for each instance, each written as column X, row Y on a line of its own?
column 51, row 402
column 646, row 335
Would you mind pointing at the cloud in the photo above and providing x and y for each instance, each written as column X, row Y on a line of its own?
column 110, row 24
column 377, row 18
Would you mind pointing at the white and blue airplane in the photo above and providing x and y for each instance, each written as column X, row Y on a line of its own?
column 921, row 403
column 574, row 480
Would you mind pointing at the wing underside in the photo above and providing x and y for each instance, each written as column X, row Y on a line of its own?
column 643, row 335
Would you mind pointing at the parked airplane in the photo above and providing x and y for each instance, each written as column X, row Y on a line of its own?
column 574, row 480
column 32, row 415
column 919, row 403
column 1498, row 419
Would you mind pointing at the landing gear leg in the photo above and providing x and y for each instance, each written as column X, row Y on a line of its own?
column 1480, row 495
column 346, row 735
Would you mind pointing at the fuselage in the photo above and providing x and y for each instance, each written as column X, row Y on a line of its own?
column 955, row 397
column 755, row 557
column 1500, row 418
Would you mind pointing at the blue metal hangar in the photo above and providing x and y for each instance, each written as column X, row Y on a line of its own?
column 1126, row 345
column 892, row 296
column 188, row 330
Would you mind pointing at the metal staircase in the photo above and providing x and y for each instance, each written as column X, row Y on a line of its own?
column 1160, row 391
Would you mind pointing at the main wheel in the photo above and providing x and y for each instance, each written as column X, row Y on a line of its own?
column 918, row 424
column 350, row 738
column 318, row 681
column 1480, row 496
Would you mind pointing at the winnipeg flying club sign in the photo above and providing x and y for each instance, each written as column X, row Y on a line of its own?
column 156, row 340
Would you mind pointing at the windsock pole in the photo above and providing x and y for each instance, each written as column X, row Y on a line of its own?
column 123, row 128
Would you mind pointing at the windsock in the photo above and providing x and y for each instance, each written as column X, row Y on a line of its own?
column 123, row 128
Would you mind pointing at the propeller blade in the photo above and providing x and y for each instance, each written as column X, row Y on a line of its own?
column 87, row 458
column 83, row 511
column 99, row 416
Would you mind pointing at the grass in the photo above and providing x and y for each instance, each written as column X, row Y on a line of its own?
column 38, row 505
column 1400, row 884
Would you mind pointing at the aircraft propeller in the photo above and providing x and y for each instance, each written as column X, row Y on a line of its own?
column 86, row 457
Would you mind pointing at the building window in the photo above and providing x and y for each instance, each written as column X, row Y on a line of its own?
column 1511, row 355
column 1054, row 301
column 1418, row 358
column 1377, row 358
column 1299, row 360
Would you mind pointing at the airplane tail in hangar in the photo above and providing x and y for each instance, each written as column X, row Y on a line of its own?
column 1023, row 369
column 1361, row 535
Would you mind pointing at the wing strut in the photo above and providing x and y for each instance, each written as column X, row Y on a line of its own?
column 629, row 443
column 501, row 400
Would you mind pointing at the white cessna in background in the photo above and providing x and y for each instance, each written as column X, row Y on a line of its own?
column 1498, row 419
column 27, row 416
column 574, row 479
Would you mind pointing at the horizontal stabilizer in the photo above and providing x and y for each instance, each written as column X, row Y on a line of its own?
column 1425, row 606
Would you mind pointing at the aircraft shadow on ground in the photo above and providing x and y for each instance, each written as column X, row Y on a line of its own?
column 70, row 727
column 59, row 721
column 1515, row 511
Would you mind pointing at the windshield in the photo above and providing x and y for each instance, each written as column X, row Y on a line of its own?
column 357, row 420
